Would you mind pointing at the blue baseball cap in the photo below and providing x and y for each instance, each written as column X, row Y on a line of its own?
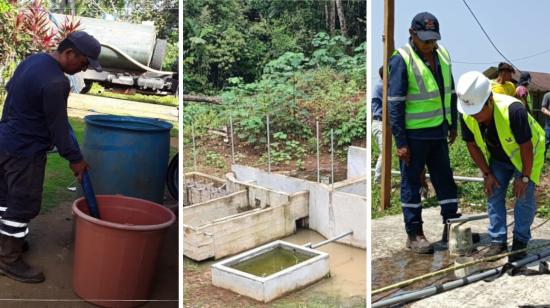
column 426, row 26
column 89, row 46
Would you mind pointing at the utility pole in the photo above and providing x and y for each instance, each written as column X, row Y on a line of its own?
column 385, row 198
column 72, row 5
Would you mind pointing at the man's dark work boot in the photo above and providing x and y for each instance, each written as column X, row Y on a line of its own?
column 418, row 243
column 494, row 249
column 517, row 245
column 12, row 264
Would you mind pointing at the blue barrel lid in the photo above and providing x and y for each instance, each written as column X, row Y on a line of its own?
column 128, row 123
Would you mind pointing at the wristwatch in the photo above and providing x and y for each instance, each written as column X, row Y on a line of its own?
column 525, row 179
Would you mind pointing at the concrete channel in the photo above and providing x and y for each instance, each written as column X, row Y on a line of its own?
column 261, row 207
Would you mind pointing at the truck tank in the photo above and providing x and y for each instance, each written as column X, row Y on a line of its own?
column 136, row 40
column 131, row 56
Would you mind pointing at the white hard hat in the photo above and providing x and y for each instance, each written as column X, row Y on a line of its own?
column 472, row 89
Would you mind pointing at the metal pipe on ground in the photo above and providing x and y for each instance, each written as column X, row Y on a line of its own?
column 472, row 218
column 456, row 177
column 432, row 290
column 330, row 240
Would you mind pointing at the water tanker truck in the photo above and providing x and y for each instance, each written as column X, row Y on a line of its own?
column 131, row 56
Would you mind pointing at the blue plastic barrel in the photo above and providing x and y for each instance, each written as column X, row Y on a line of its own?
column 127, row 155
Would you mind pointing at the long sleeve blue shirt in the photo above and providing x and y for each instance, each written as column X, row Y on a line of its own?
column 376, row 103
column 34, row 118
column 397, row 94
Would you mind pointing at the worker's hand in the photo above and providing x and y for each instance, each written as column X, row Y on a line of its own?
column 519, row 188
column 404, row 154
column 78, row 169
column 452, row 136
column 490, row 182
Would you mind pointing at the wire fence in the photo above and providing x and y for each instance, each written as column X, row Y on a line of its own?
column 213, row 149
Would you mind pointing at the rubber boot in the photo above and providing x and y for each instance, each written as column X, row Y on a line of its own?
column 12, row 264
column 417, row 242
column 494, row 249
column 517, row 245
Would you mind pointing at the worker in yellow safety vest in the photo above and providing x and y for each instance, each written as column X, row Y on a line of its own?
column 423, row 119
column 503, row 83
column 505, row 142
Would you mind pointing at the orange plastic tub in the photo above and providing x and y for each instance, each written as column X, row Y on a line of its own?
column 115, row 257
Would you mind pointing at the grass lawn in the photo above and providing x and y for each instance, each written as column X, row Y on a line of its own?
column 59, row 175
column 168, row 100
column 470, row 194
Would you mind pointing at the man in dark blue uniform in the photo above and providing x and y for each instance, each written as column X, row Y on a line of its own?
column 34, row 120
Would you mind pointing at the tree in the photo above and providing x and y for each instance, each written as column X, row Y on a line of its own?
column 342, row 18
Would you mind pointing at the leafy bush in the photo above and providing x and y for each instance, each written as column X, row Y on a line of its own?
column 215, row 160
column 283, row 150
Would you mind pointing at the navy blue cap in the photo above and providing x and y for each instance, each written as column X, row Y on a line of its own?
column 503, row 66
column 89, row 46
column 426, row 26
column 524, row 78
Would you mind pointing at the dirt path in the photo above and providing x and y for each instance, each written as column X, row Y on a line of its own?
column 51, row 248
column 80, row 105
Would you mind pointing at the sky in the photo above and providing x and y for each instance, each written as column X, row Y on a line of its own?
column 518, row 28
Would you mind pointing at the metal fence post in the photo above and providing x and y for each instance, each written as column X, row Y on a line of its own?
column 232, row 141
column 318, row 155
column 332, row 156
column 194, row 147
column 268, row 146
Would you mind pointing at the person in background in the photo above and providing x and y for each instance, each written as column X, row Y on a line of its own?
column 503, row 83
column 522, row 92
column 545, row 109
column 376, row 108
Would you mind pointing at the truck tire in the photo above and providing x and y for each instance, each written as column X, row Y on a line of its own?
column 172, row 177
column 158, row 54
column 87, row 86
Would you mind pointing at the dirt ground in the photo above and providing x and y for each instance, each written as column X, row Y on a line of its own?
column 51, row 248
column 251, row 157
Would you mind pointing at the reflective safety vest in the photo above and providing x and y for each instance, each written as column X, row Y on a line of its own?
column 530, row 102
column 506, row 137
column 423, row 105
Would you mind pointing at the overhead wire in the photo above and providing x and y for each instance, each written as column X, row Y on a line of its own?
column 492, row 43
column 516, row 59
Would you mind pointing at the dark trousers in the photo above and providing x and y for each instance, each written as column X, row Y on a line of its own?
column 435, row 155
column 21, row 185
column 547, row 142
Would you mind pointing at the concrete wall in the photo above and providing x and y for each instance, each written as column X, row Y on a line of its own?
column 240, row 221
column 199, row 187
column 357, row 162
column 356, row 186
column 350, row 212
column 202, row 213
column 325, row 217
